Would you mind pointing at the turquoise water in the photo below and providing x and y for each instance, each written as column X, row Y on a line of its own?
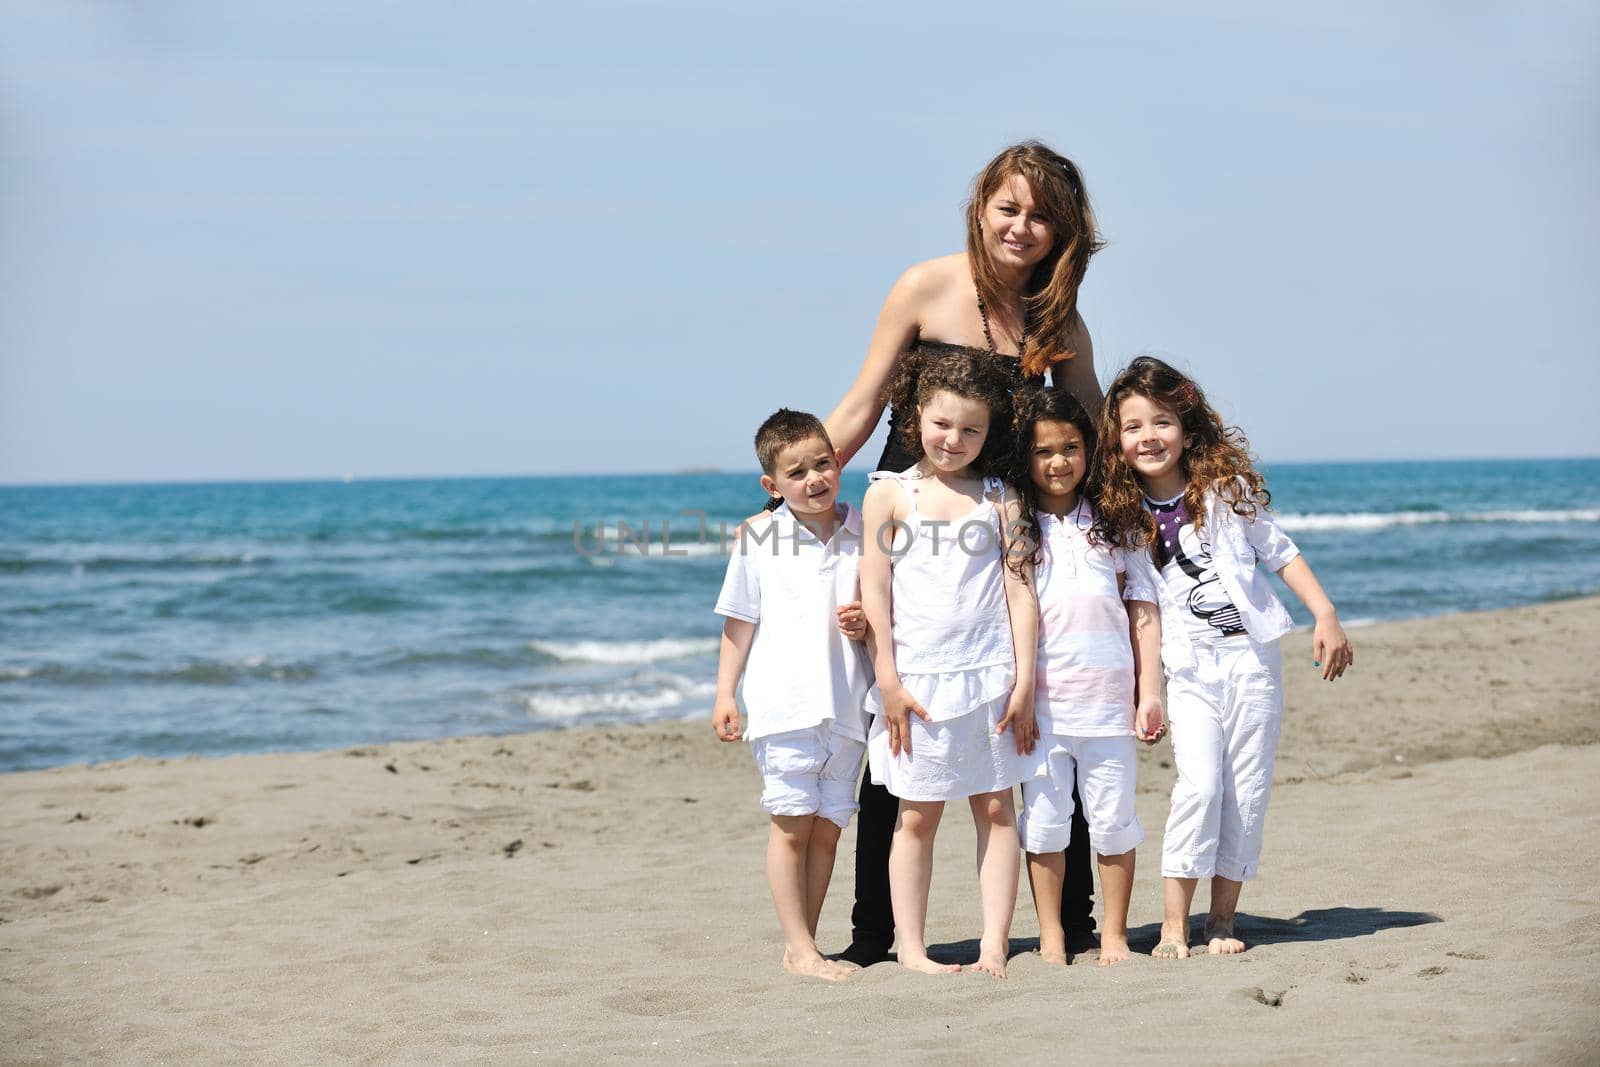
column 170, row 619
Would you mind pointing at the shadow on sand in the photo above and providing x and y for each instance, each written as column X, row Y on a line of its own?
column 1318, row 924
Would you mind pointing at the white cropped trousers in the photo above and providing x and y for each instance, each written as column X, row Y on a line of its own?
column 1226, row 713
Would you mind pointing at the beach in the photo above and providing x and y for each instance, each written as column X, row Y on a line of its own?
column 1426, row 895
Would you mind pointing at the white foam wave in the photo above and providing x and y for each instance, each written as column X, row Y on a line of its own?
column 666, row 648
column 1382, row 520
column 17, row 673
column 657, row 693
column 658, row 550
column 615, row 546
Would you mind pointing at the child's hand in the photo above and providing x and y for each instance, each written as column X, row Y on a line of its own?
column 1330, row 648
column 725, row 719
column 898, row 707
column 1150, row 720
column 852, row 620
column 1020, row 720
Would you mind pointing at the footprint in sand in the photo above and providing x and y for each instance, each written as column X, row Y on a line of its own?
column 650, row 1005
column 1261, row 996
column 39, row 892
column 1467, row 955
column 1432, row 972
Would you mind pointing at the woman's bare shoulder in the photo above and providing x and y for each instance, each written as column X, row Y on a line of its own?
column 931, row 278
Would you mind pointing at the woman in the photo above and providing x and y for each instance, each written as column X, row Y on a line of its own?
column 1013, row 294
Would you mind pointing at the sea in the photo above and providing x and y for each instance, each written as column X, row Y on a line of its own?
column 167, row 620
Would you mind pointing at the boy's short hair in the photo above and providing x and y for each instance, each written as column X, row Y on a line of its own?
column 784, row 428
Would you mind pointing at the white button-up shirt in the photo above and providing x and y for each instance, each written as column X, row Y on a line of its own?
column 802, row 671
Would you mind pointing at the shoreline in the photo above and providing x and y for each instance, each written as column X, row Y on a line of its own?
column 599, row 891
column 1301, row 634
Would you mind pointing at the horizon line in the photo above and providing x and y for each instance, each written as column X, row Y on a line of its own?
column 351, row 479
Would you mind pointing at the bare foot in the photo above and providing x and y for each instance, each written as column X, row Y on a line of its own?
column 814, row 966
column 1219, row 938
column 1174, row 944
column 923, row 965
column 1054, row 950
column 991, row 960
column 1113, row 948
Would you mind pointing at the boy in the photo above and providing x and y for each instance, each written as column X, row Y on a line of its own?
column 789, row 594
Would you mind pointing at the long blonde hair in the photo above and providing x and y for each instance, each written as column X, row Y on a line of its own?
column 1051, row 295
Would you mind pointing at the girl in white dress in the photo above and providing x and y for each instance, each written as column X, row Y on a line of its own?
column 954, row 639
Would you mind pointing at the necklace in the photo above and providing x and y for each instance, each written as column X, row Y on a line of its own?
column 1022, row 339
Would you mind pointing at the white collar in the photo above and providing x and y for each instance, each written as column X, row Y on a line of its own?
column 1079, row 518
column 789, row 526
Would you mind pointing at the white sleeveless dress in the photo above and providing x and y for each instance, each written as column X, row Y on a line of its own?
column 952, row 648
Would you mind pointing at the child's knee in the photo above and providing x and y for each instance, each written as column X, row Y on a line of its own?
column 1203, row 792
column 916, row 821
column 996, row 809
column 795, row 830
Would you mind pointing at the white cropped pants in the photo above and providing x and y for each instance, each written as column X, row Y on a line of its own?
column 1226, row 713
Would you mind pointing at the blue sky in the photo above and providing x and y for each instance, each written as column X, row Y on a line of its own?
column 311, row 240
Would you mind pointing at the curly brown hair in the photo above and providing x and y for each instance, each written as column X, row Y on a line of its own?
column 969, row 375
column 1033, row 404
column 1215, row 457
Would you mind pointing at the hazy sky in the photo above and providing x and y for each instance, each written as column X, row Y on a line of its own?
column 246, row 240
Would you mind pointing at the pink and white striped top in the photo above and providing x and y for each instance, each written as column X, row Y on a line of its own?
column 1085, row 683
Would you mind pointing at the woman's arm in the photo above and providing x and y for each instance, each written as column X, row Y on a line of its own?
column 1076, row 375
column 852, row 422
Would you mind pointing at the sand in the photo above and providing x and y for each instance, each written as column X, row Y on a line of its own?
column 1427, row 895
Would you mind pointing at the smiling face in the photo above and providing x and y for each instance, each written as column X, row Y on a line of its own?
column 1152, row 442
column 952, row 430
column 806, row 475
column 1057, row 463
column 1016, row 232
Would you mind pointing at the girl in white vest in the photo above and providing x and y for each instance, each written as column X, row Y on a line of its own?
column 953, row 633
column 1178, row 489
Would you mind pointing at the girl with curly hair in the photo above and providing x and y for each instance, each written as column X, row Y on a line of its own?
column 1098, row 677
column 1178, row 490
column 954, row 631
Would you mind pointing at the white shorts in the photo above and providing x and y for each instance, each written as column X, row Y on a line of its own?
column 1225, row 713
column 952, row 759
column 810, row 772
column 1106, row 770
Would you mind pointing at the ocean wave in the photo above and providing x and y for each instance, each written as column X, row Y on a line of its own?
column 666, row 648
column 195, row 672
column 475, row 656
column 637, row 699
column 612, row 548
column 116, row 564
column 17, row 674
column 1362, row 521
